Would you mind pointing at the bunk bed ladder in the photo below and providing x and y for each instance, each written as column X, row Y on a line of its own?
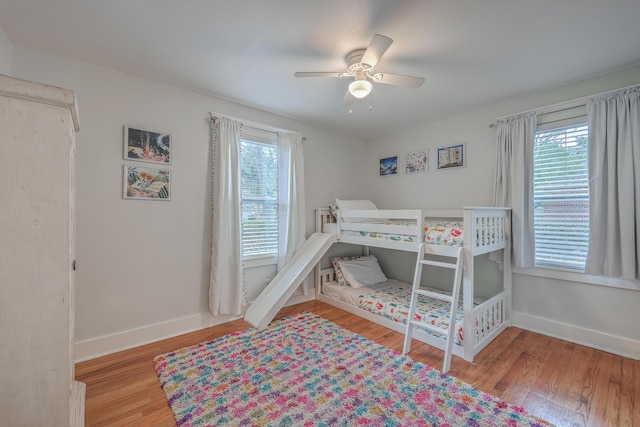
column 451, row 299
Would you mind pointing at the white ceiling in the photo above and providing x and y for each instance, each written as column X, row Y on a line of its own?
column 471, row 53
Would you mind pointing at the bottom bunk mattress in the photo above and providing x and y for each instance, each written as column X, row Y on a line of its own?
column 391, row 300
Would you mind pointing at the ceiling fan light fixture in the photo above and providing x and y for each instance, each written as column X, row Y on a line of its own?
column 360, row 67
column 360, row 88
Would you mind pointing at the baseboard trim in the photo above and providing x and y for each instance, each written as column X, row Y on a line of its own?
column 108, row 344
column 602, row 341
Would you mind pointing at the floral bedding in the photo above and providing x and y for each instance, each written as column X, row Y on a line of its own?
column 392, row 302
column 448, row 233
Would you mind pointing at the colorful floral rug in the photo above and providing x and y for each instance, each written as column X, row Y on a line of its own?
column 306, row 371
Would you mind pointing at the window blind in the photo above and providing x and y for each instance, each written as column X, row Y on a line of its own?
column 259, row 193
column 561, row 197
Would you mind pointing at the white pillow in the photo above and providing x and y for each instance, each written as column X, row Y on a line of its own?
column 363, row 271
column 345, row 205
column 355, row 204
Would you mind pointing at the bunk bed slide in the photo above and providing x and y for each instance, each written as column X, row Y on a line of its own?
column 478, row 230
column 262, row 311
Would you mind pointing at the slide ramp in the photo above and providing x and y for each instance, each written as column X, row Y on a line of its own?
column 262, row 311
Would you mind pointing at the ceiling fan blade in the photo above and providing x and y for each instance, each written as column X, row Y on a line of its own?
column 318, row 74
column 348, row 98
column 377, row 47
column 400, row 80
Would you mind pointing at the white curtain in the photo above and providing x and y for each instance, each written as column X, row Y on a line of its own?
column 291, row 213
column 614, row 185
column 513, row 182
column 226, row 293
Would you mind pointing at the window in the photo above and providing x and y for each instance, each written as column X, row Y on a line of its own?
column 561, row 197
column 259, row 194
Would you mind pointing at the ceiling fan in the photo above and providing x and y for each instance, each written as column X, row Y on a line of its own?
column 360, row 66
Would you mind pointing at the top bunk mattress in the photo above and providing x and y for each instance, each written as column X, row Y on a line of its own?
column 437, row 232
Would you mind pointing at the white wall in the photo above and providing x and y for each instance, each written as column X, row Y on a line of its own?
column 599, row 316
column 5, row 53
column 143, row 266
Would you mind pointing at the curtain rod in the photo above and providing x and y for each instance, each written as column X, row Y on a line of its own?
column 560, row 104
column 251, row 124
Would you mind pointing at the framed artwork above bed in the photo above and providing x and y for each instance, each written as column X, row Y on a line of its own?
column 416, row 161
column 146, row 183
column 388, row 166
column 147, row 146
column 452, row 156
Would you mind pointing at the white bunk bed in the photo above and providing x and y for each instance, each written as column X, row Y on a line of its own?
column 486, row 229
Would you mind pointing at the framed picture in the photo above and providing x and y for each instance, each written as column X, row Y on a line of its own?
column 452, row 156
column 147, row 146
column 389, row 166
column 146, row 183
column 416, row 161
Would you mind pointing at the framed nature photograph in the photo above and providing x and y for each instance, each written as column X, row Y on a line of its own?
column 389, row 166
column 452, row 156
column 146, row 183
column 147, row 146
column 416, row 161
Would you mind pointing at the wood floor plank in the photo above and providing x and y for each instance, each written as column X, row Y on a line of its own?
column 567, row 384
column 500, row 364
column 553, row 383
column 521, row 378
column 596, row 390
column 614, row 393
column 550, row 379
column 574, row 406
column 630, row 393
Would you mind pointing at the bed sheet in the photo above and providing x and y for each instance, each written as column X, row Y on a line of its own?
column 391, row 300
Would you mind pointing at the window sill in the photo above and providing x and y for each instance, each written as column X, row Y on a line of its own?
column 579, row 277
column 260, row 261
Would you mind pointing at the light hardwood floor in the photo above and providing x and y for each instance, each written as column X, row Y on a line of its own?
column 564, row 383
